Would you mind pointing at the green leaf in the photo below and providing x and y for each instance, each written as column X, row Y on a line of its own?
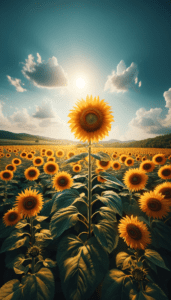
column 12, row 257
column 161, row 234
column 40, row 218
column 152, row 292
column 155, row 258
column 12, row 242
column 101, row 156
column 20, row 269
column 120, row 258
column 63, row 219
column 38, row 286
column 5, row 230
column 112, row 178
column 11, row 290
column 112, row 200
column 75, row 158
column 49, row 263
column 47, row 207
column 113, row 284
column 106, row 235
column 152, row 266
column 81, row 266
column 64, row 199
column 23, row 223
column 106, row 213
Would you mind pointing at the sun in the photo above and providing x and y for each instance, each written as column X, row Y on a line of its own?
column 80, row 83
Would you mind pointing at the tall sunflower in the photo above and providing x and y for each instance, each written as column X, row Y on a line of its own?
column 165, row 172
column 91, row 119
column 154, row 204
column 32, row 173
column 11, row 217
column 147, row 166
column 62, row 181
column 29, row 203
column 6, row 175
column 134, row 232
column 135, row 179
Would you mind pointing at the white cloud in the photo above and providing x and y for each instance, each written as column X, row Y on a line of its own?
column 17, row 83
column 4, row 122
column 44, row 74
column 139, row 83
column 123, row 79
column 148, row 123
column 45, row 110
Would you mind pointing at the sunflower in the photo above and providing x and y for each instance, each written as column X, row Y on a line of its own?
column 154, row 204
column 2, row 154
column 101, row 179
column 138, row 158
column 16, row 161
column 116, row 165
column 11, row 167
column 114, row 155
column 62, row 181
column 164, row 189
column 11, row 217
column 103, row 164
column 135, row 179
column 70, row 154
column 51, row 168
column 134, row 232
column 6, row 175
column 30, row 156
column 122, row 158
column 31, row 173
column 98, row 170
column 52, row 158
column 147, row 166
column 49, row 152
column 76, row 168
column 144, row 158
column 169, row 157
column 129, row 161
column 38, row 161
column 165, row 172
column 8, row 155
column 159, row 159
column 29, row 202
column 60, row 153
column 91, row 119
column 23, row 154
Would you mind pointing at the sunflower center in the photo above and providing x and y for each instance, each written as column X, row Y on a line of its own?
column 10, row 168
column 154, row 204
column 51, row 168
column 6, row 175
column 136, row 179
column 134, row 232
column 32, row 173
column 34, row 251
column 166, row 192
column 123, row 158
column 146, row 166
column 129, row 161
column 12, row 216
column 29, row 202
column 166, row 172
column 60, row 153
column 30, row 156
column 115, row 165
column 71, row 154
column 49, row 153
column 91, row 119
column 23, row 154
column 62, row 181
column 138, row 274
column 103, row 163
column 16, row 161
column 38, row 161
column 77, row 168
column 51, row 159
column 159, row 159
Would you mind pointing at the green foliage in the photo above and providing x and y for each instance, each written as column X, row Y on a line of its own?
column 152, row 292
column 155, row 258
column 15, row 241
column 160, row 233
column 101, row 156
column 81, row 266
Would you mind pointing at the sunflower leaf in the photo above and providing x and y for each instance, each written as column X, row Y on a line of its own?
column 63, row 219
column 5, row 230
column 101, row 156
column 161, row 234
column 155, row 258
column 120, row 258
column 49, row 263
column 81, row 266
column 112, row 178
column 112, row 200
column 64, row 199
column 152, row 291
column 12, row 242
column 75, row 158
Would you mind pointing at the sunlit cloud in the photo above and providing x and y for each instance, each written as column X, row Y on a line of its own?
column 17, row 83
column 48, row 74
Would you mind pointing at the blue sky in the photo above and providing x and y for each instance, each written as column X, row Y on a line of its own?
column 121, row 49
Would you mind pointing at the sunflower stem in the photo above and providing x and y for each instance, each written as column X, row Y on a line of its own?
column 89, row 189
column 32, row 241
column 5, row 192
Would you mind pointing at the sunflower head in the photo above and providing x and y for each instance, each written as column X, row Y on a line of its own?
column 135, row 179
column 11, row 167
column 62, row 181
column 103, row 164
column 116, row 165
column 6, row 175
column 32, row 173
column 139, row 273
column 51, row 168
column 165, row 190
column 12, row 217
column 30, row 156
column 101, row 179
column 77, row 168
column 159, row 159
column 49, row 152
column 29, row 203
column 134, row 232
column 52, row 158
column 16, row 161
column 91, row 119
column 165, row 172
column 23, row 154
column 38, row 161
column 33, row 251
column 154, row 204
column 122, row 158
column 147, row 166
column 60, row 153
column 129, row 161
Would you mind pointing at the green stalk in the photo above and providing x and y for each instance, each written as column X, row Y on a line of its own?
column 89, row 212
column 5, row 192
column 32, row 241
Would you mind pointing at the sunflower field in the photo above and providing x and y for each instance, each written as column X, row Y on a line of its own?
column 81, row 223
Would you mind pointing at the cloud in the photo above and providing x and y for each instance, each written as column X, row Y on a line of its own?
column 17, row 83
column 123, row 79
column 148, row 123
column 44, row 74
column 4, row 122
column 44, row 111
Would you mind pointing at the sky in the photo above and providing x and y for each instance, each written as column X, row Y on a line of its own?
column 54, row 53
